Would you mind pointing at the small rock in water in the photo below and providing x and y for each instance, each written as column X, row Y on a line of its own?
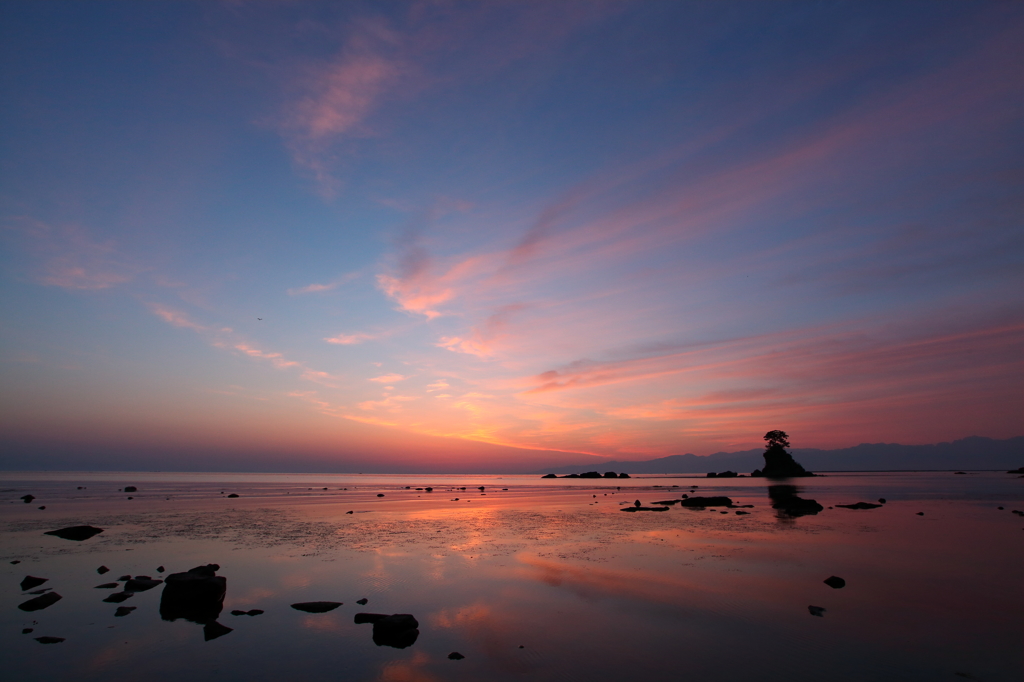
column 252, row 612
column 123, row 611
column 41, row 602
column 43, row 507
column 102, row 569
column 76, row 533
column 380, row 494
column 25, row 631
column 455, row 656
column 214, row 630
column 119, row 597
column 130, row 489
column 16, row 561
column 124, row 578
column 920, row 513
column 835, row 582
column 49, row 640
column 141, row 583
column 28, row 498
column 31, row 581
column 231, row 495
column 350, row 512
column 362, row 602
column 107, row 586
column 160, row 569
column 317, row 606
column 859, row 505
column 42, row 591
column 817, row 611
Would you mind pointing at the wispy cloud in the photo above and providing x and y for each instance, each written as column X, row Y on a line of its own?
column 175, row 317
column 351, row 339
column 68, row 256
column 388, row 378
column 321, row 288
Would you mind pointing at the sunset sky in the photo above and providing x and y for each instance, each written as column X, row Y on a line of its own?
column 484, row 236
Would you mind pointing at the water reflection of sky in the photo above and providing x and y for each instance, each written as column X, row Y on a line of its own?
column 586, row 591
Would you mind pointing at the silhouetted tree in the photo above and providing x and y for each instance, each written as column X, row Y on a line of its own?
column 776, row 439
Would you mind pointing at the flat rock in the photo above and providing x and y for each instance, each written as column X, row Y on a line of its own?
column 141, row 583
column 131, row 489
column 818, row 611
column 455, row 656
column 835, row 582
column 76, row 533
column 317, row 606
column 125, row 578
column 119, row 597
column 859, row 505
column 720, row 501
column 363, row 601
column 250, row 612
column 214, row 630
column 639, row 509
column 31, row 581
column 41, row 602
column 107, row 586
column 102, row 569
column 28, row 498
column 49, row 640
column 123, row 611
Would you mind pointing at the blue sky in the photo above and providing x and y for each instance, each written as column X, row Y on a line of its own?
column 499, row 235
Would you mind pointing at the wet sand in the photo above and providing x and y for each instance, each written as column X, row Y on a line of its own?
column 545, row 580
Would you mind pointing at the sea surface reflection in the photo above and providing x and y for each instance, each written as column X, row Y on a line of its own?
column 524, row 579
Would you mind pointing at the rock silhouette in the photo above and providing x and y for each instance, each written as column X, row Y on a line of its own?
column 835, row 582
column 317, row 606
column 141, row 583
column 76, row 533
column 119, row 597
column 399, row 630
column 28, row 498
column 31, row 581
column 455, row 656
column 718, row 501
column 41, row 602
column 787, row 502
column 123, row 611
column 250, row 612
column 107, row 586
column 102, row 569
column 130, row 489
column 778, row 463
column 49, row 640
column 818, row 611
column 859, row 505
column 196, row 595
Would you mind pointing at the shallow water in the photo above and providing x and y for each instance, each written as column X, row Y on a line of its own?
column 546, row 580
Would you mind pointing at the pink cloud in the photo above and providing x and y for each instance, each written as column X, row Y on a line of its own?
column 69, row 257
column 350, row 339
column 388, row 378
column 175, row 317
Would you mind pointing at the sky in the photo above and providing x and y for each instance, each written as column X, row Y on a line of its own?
column 498, row 236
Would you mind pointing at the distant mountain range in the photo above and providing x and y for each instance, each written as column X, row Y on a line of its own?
column 974, row 452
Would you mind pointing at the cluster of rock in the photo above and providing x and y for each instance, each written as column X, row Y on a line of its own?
column 788, row 503
column 725, row 474
column 589, row 474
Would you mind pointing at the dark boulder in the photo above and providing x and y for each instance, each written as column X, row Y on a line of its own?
column 124, row 578
column 123, row 611
column 196, row 595
column 76, row 533
column 49, row 640
column 399, row 630
column 131, row 489
column 25, row 631
column 28, row 498
column 610, row 474
column 250, row 612
column 621, row 475
column 859, row 505
column 835, row 582
column 102, row 569
column 549, row 476
column 817, row 611
column 317, row 606
column 362, row 602
column 590, row 474
column 31, row 581
column 455, row 656
column 107, row 586
column 160, row 569
column 788, row 503
column 231, row 495
column 41, row 602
